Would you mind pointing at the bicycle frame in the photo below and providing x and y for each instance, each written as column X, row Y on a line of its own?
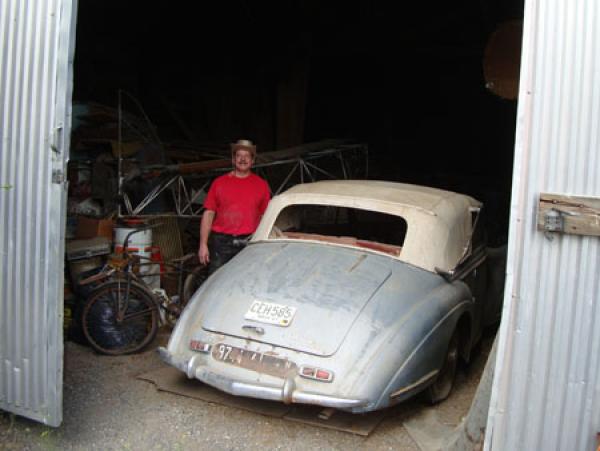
column 123, row 267
column 123, row 293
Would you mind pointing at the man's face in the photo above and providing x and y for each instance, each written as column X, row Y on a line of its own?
column 242, row 160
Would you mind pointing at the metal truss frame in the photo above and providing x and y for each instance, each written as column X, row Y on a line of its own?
column 306, row 167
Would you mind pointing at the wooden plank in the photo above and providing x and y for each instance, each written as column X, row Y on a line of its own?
column 169, row 379
column 580, row 214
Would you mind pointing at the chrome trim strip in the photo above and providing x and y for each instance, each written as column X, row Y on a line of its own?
column 421, row 381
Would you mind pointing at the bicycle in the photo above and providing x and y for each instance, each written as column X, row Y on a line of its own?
column 122, row 314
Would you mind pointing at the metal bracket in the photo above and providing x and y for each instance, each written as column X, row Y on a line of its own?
column 573, row 215
column 57, row 137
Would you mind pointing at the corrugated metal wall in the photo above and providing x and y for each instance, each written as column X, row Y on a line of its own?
column 546, row 394
column 36, row 46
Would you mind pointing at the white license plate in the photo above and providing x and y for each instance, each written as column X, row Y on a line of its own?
column 270, row 313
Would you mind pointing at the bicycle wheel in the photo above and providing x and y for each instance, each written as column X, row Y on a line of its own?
column 192, row 283
column 111, row 333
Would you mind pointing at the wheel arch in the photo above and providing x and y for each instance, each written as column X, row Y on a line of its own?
column 459, row 318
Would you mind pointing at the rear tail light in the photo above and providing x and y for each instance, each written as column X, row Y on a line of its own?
column 317, row 374
column 200, row 346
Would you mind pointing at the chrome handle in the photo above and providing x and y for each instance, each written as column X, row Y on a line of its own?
column 259, row 330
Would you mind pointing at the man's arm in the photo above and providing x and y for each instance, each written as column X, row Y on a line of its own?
column 265, row 198
column 205, row 226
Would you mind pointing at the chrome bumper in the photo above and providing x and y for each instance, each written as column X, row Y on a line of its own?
column 286, row 393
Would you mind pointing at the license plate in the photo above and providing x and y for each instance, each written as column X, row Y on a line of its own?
column 257, row 361
column 270, row 313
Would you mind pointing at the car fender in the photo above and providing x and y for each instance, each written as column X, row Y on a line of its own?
column 421, row 365
column 403, row 356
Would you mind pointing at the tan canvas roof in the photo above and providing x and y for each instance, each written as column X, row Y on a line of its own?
column 439, row 222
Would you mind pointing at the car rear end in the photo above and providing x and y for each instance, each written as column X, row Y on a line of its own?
column 245, row 368
column 283, row 332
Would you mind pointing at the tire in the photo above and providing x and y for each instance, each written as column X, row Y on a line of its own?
column 192, row 283
column 105, row 332
column 442, row 386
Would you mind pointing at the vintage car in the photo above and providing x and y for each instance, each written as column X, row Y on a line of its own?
column 351, row 294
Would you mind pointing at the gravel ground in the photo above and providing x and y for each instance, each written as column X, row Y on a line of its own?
column 106, row 408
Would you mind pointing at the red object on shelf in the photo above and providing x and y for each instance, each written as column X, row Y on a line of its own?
column 134, row 221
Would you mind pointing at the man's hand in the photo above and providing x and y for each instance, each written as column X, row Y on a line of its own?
column 204, row 254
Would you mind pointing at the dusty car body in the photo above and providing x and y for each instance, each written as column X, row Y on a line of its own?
column 354, row 295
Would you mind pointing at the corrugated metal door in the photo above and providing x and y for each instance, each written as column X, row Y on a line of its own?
column 546, row 392
column 36, row 49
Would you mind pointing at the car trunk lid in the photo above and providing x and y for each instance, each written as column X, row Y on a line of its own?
column 325, row 286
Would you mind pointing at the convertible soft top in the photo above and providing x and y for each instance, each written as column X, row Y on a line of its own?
column 439, row 222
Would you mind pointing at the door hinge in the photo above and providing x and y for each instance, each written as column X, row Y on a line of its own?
column 58, row 176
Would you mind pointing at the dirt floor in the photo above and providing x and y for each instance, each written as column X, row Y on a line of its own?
column 106, row 407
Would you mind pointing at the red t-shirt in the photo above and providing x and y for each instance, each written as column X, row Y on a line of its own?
column 239, row 203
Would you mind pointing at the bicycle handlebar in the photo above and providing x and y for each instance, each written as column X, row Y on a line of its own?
column 138, row 230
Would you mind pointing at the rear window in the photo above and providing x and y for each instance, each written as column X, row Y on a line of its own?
column 341, row 225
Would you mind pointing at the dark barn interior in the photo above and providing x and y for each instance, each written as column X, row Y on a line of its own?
column 406, row 79
column 161, row 89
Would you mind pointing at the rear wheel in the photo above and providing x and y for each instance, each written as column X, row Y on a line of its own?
column 193, row 282
column 441, row 388
column 119, row 319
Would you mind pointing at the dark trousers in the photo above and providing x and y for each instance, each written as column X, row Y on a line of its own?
column 223, row 248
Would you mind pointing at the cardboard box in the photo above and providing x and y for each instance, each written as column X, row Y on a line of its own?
column 92, row 227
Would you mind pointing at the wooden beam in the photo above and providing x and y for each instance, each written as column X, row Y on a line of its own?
column 576, row 215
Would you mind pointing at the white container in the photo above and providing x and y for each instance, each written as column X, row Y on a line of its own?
column 140, row 243
column 140, row 240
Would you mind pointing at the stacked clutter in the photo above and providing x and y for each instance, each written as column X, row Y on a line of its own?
column 70, row 302
column 85, row 257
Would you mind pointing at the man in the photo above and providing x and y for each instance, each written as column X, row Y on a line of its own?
column 233, row 207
